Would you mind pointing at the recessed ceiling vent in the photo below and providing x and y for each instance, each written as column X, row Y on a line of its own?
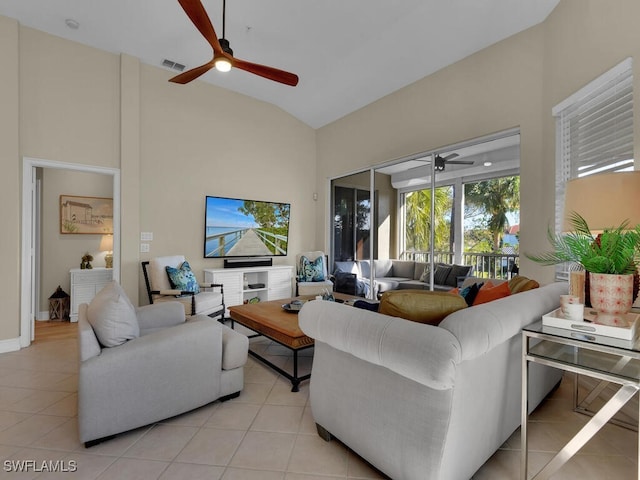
column 173, row 65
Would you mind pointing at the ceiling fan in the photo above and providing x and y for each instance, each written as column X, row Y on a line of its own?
column 223, row 58
column 440, row 161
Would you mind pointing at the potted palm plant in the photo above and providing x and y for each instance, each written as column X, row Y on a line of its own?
column 610, row 258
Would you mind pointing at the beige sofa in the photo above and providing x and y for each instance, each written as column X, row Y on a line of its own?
column 420, row 401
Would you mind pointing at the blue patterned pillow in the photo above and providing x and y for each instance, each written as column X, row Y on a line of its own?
column 311, row 271
column 183, row 278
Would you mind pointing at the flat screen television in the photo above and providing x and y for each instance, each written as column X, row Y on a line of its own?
column 237, row 227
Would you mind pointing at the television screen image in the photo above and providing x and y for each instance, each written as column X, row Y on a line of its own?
column 245, row 228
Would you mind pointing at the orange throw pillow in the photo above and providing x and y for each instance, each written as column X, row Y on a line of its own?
column 492, row 293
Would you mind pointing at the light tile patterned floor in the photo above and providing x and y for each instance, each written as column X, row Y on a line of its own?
column 267, row 433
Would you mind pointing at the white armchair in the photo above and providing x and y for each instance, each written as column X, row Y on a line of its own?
column 196, row 301
column 138, row 366
column 312, row 276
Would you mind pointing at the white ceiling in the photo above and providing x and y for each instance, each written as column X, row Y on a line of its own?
column 347, row 53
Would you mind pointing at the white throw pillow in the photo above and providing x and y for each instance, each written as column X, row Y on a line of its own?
column 112, row 316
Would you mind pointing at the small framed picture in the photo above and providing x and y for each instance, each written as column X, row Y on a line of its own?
column 86, row 215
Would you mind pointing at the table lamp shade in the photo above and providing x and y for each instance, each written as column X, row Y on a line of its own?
column 106, row 243
column 605, row 200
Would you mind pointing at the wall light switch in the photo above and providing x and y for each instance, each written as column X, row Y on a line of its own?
column 144, row 247
column 146, row 236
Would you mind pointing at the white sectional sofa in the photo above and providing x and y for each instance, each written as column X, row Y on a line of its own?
column 420, row 401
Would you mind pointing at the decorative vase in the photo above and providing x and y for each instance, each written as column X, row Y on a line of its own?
column 611, row 293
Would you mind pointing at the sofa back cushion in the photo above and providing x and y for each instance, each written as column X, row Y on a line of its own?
column 158, row 271
column 420, row 306
column 383, row 268
column 365, row 268
column 403, row 268
column 481, row 328
column 346, row 267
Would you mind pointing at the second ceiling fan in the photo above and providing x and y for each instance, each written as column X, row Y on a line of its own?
column 223, row 58
column 440, row 161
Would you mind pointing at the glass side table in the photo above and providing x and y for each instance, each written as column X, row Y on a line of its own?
column 603, row 358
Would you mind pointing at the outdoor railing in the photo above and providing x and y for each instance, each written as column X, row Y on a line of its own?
column 486, row 265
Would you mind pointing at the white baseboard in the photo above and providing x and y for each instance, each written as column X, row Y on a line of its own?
column 43, row 316
column 9, row 345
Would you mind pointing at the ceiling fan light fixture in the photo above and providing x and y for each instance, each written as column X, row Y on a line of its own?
column 222, row 64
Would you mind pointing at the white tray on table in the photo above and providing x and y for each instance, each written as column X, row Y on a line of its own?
column 617, row 326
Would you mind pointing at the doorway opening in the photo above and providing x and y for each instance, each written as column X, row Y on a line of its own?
column 31, row 234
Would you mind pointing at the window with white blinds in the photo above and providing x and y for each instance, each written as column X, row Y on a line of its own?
column 594, row 132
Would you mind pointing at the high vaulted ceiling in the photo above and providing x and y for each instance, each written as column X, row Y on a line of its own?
column 347, row 53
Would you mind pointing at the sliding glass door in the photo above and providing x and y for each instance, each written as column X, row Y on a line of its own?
column 351, row 224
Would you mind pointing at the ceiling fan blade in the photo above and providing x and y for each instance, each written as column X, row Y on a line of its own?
column 189, row 75
column 267, row 72
column 461, row 162
column 198, row 15
column 450, row 156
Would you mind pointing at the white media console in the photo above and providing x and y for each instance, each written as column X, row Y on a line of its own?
column 276, row 281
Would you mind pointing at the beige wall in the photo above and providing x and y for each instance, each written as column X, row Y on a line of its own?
column 200, row 140
column 10, row 180
column 514, row 83
column 493, row 90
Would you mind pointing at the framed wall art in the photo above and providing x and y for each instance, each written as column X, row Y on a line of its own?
column 86, row 215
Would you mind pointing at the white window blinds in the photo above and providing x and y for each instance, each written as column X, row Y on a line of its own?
column 594, row 131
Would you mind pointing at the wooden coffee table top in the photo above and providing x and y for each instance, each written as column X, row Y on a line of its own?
column 272, row 321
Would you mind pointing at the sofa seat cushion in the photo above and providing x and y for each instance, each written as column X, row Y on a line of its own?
column 112, row 316
column 412, row 285
column 206, row 302
column 420, row 306
column 384, row 284
column 314, row 288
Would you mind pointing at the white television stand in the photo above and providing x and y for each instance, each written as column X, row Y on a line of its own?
column 277, row 281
